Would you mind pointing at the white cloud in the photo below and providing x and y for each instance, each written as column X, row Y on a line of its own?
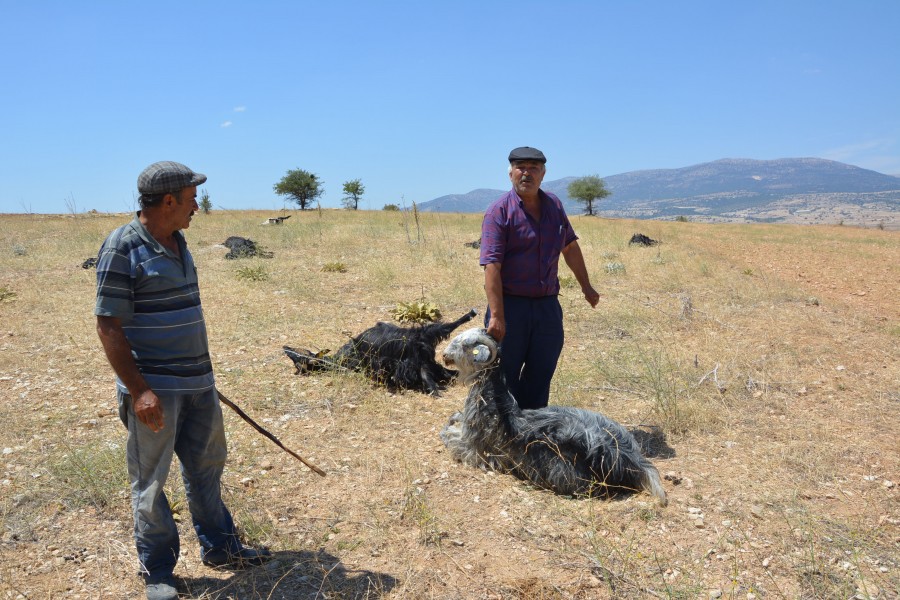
column 876, row 154
column 854, row 150
column 240, row 108
column 226, row 124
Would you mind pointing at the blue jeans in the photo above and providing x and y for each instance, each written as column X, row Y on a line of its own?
column 194, row 431
column 531, row 348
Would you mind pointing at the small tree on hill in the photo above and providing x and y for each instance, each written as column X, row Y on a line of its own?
column 353, row 190
column 586, row 190
column 205, row 204
column 300, row 186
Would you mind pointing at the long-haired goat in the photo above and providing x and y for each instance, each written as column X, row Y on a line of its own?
column 397, row 357
column 567, row 450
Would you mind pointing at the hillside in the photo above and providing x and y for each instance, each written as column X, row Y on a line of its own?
column 762, row 360
column 797, row 190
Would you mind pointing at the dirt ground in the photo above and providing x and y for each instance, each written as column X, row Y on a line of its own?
column 778, row 392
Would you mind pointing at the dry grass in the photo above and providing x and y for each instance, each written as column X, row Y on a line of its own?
column 766, row 354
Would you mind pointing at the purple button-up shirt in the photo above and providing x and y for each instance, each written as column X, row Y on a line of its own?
column 527, row 250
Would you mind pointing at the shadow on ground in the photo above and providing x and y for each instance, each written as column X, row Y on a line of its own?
column 293, row 576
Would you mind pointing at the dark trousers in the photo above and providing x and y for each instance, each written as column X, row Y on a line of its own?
column 529, row 352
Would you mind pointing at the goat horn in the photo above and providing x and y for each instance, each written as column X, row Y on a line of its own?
column 260, row 429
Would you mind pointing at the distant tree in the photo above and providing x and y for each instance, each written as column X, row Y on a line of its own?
column 586, row 190
column 391, row 207
column 353, row 190
column 681, row 219
column 205, row 204
column 300, row 186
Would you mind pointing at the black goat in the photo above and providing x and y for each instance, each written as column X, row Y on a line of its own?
column 394, row 356
column 642, row 240
column 244, row 248
column 564, row 449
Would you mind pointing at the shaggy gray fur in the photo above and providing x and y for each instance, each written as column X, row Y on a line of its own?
column 568, row 450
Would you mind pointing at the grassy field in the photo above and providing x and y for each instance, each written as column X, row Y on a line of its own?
column 766, row 354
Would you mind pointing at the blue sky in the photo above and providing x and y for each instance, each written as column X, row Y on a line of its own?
column 419, row 100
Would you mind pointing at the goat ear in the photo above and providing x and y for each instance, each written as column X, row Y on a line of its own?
column 482, row 354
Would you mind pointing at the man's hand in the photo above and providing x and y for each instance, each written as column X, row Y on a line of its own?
column 148, row 410
column 496, row 328
column 591, row 295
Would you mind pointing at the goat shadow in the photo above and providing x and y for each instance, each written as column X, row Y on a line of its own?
column 291, row 575
column 652, row 441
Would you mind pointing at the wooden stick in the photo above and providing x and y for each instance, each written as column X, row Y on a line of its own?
column 259, row 428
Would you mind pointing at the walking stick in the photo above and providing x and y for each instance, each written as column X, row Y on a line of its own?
column 259, row 428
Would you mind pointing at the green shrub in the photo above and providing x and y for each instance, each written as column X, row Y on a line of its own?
column 257, row 273
column 416, row 312
column 334, row 267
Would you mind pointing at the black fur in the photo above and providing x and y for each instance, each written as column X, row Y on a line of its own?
column 567, row 450
column 393, row 356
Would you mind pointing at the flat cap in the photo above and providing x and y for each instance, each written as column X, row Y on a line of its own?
column 167, row 176
column 527, row 153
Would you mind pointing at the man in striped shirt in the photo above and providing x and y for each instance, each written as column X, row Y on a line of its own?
column 522, row 236
column 151, row 325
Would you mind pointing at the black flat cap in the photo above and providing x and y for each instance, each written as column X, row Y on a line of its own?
column 527, row 153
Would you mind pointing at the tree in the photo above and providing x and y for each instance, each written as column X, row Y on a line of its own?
column 300, row 186
column 205, row 203
column 354, row 189
column 587, row 189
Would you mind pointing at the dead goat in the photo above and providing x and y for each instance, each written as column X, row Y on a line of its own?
column 393, row 356
column 244, row 248
column 642, row 240
column 568, row 450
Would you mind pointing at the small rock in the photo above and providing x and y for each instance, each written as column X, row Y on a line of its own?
column 714, row 594
column 766, row 562
column 888, row 484
column 757, row 511
column 673, row 477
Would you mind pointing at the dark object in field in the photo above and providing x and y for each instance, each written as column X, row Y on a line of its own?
column 276, row 220
column 243, row 248
column 642, row 240
column 568, row 450
column 475, row 244
column 393, row 356
column 90, row 263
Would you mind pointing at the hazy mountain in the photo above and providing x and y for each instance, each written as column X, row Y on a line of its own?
column 728, row 189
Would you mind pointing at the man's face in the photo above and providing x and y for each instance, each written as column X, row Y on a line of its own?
column 184, row 207
column 526, row 176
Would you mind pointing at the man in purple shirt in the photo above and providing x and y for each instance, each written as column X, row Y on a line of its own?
column 522, row 236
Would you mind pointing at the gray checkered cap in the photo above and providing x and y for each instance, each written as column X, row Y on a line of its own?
column 167, row 176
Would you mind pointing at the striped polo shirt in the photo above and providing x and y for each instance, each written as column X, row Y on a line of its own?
column 527, row 250
column 156, row 296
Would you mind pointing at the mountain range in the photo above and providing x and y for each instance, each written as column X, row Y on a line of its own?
column 800, row 190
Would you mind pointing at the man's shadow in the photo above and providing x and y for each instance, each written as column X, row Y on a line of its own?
column 293, row 575
column 652, row 441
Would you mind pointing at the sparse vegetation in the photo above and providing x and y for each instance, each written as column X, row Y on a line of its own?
column 758, row 393
column 252, row 273
column 334, row 267
column 416, row 312
column 614, row 268
column 205, row 203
